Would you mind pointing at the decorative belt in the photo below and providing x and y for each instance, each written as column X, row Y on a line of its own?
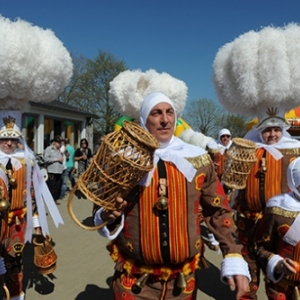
column 157, row 272
column 284, row 282
column 20, row 213
column 248, row 214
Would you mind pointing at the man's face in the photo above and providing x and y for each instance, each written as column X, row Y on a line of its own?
column 271, row 135
column 161, row 122
column 225, row 139
column 8, row 146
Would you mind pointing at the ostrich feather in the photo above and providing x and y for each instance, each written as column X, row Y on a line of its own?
column 129, row 88
column 34, row 64
column 259, row 69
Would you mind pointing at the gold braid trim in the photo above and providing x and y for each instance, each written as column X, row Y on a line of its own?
column 290, row 151
column 200, row 161
column 275, row 210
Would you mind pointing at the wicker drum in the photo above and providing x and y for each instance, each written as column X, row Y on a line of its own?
column 123, row 159
column 239, row 161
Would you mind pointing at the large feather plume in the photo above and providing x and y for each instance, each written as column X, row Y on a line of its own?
column 128, row 89
column 259, row 69
column 34, row 64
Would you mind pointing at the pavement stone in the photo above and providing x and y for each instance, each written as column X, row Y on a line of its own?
column 84, row 268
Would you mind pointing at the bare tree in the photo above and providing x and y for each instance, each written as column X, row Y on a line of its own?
column 202, row 115
column 235, row 123
column 88, row 89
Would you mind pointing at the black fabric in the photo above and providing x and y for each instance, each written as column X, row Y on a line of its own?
column 164, row 219
column 262, row 176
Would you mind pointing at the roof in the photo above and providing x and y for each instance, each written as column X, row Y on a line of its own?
column 55, row 105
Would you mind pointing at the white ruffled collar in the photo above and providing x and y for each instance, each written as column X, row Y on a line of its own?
column 175, row 151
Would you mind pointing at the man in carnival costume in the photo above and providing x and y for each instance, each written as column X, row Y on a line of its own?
column 278, row 240
column 22, row 189
column 35, row 67
column 255, row 75
column 217, row 150
column 156, row 247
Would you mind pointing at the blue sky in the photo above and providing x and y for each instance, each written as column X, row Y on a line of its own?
column 180, row 37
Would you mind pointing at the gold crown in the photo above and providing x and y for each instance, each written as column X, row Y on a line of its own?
column 272, row 111
column 9, row 121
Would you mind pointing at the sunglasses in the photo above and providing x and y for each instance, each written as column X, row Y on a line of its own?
column 225, row 135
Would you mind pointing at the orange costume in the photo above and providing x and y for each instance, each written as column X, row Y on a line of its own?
column 266, row 179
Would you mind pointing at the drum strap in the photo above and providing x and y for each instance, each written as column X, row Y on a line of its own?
column 262, row 176
column 163, row 218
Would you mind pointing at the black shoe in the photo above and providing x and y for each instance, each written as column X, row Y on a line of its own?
column 78, row 194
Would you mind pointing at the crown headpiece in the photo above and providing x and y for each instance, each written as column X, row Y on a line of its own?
column 272, row 111
column 9, row 121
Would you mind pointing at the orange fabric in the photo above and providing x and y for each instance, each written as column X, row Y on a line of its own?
column 149, row 222
column 19, row 193
column 273, row 175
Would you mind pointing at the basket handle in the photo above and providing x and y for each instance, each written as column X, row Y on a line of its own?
column 74, row 218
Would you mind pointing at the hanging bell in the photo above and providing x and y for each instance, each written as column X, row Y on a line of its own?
column 12, row 181
column 181, row 281
column 17, row 221
column 296, row 294
column 142, row 280
column 162, row 203
column 4, row 205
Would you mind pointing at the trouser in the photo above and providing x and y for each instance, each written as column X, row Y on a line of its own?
column 124, row 287
column 67, row 174
column 246, row 232
column 54, row 184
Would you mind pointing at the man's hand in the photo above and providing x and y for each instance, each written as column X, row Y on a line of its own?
column 111, row 215
column 286, row 266
column 240, row 284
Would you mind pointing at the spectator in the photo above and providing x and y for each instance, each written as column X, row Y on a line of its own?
column 54, row 160
column 98, row 145
column 69, row 167
column 83, row 156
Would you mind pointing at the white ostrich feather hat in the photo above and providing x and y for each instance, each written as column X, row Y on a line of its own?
column 129, row 88
column 258, row 74
column 34, row 64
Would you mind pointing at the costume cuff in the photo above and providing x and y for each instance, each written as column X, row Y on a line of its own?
column 2, row 266
column 20, row 297
column 104, row 231
column 234, row 264
column 35, row 221
column 272, row 263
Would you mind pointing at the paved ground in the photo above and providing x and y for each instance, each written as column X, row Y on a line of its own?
column 84, row 267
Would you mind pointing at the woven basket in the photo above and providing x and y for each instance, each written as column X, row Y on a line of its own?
column 240, row 158
column 123, row 159
column 45, row 257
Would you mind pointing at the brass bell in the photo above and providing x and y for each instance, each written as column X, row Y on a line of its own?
column 4, row 205
column 12, row 181
column 142, row 280
column 296, row 293
column 162, row 203
column 181, row 281
column 17, row 221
